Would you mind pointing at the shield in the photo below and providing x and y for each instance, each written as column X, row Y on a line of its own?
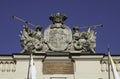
column 58, row 38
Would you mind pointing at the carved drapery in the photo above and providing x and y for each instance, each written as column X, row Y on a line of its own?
column 104, row 66
column 118, row 66
column 7, row 66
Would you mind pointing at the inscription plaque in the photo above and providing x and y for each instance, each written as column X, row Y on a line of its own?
column 58, row 67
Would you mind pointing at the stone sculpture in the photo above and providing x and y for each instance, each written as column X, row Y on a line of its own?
column 31, row 40
column 58, row 37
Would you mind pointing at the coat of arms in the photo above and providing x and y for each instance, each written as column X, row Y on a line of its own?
column 58, row 38
column 58, row 35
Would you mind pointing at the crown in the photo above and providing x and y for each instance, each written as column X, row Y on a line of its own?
column 58, row 18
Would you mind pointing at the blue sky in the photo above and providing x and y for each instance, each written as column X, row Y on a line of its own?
column 79, row 12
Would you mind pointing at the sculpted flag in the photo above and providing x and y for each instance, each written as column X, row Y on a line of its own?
column 32, row 69
column 115, row 73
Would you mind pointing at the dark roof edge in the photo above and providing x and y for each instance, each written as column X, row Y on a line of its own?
column 72, row 54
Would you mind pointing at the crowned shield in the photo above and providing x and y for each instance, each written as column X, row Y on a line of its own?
column 58, row 38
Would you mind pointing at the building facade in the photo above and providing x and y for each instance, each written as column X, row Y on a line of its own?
column 74, row 66
column 58, row 54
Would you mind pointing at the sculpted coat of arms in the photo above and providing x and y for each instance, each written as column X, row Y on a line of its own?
column 58, row 37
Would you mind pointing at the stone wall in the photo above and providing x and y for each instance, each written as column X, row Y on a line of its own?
column 92, row 66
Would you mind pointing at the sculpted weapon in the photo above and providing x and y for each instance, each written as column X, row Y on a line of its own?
column 22, row 20
column 93, row 26
column 31, row 40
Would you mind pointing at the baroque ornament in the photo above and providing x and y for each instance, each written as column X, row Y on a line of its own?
column 58, row 37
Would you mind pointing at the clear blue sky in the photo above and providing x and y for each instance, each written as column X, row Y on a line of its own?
column 79, row 12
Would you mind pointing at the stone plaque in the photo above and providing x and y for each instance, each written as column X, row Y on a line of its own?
column 58, row 67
